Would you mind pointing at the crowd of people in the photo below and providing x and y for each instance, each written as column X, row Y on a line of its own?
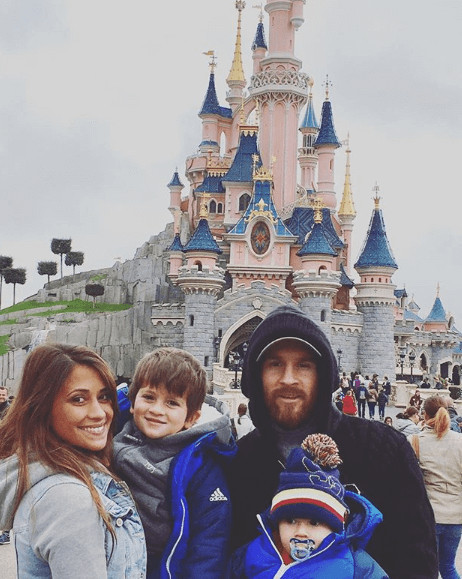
column 170, row 486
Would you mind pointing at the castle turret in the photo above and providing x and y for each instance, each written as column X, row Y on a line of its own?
column 347, row 212
column 201, row 281
column 259, row 46
column 307, row 155
column 375, row 298
column 236, row 78
column 325, row 145
column 175, row 186
column 317, row 283
column 281, row 90
column 436, row 320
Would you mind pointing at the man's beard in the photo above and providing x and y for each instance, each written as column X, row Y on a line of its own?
column 289, row 415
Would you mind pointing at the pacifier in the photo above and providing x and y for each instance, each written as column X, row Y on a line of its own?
column 301, row 549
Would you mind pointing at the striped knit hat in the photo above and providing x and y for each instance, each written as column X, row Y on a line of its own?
column 309, row 488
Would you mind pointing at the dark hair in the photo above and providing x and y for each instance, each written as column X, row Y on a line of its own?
column 26, row 430
column 410, row 411
column 437, row 416
column 177, row 370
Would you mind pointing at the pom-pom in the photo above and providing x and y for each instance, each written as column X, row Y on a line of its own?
column 323, row 450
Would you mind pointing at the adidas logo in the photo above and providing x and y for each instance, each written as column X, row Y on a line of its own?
column 217, row 495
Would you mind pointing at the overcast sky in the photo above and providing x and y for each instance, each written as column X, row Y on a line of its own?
column 99, row 103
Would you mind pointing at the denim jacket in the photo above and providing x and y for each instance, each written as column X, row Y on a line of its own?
column 59, row 533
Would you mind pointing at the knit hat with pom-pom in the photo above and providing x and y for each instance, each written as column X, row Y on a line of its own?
column 309, row 487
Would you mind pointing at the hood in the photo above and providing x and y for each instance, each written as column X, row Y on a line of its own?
column 362, row 521
column 286, row 322
column 9, row 479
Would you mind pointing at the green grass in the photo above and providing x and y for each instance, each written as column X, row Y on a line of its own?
column 74, row 306
column 3, row 345
column 8, row 322
column 98, row 277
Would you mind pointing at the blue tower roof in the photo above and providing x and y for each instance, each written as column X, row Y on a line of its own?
column 326, row 135
column 316, row 243
column 410, row 315
column 262, row 201
column 309, row 120
column 211, row 105
column 345, row 280
column 400, row 293
column 211, row 184
column 202, row 239
column 241, row 169
column 175, row 181
column 259, row 40
column 176, row 244
column 302, row 221
column 437, row 313
column 376, row 249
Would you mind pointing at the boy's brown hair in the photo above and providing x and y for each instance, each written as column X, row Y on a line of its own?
column 177, row 370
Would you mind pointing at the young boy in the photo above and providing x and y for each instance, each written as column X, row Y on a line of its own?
column 314, row 528
column 172, row 466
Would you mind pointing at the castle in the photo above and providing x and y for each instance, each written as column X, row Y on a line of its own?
column 259, row 224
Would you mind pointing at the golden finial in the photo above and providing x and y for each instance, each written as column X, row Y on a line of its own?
column 347, row 207
column 318, row 207
column 213, row 60
column 438, row 290
column 260, row 7
column 204, row 212
column 327, row 83
column 377, row 197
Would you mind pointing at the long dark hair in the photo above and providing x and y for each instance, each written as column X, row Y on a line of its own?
column 26, row 430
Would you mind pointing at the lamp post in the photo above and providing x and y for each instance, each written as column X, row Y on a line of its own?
column 235, row 361
column 402, row 355
column 216, row 345
column 339, row 357
column 412, row 362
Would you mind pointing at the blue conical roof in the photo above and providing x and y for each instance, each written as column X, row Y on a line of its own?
column 437, row 313
column 176, row 244
column 241, row 169
column 302, row 221
column 175, row 181
column 259, row 40
column 326, row 135
column 316, row 243
column 345, row 280
column 376, row 250
column 309, row 120
column 211, row 105
column 202, row 239
column 211, row 184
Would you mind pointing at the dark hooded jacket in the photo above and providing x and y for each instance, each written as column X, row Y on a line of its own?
column 378, row 460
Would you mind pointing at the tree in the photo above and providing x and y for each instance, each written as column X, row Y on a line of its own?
column 47, row 268
column 94, row 290
column 60, row 247
column 14, row 276
column 5, row 262
column 74, row 258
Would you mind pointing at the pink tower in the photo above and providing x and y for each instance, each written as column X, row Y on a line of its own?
column 280, row 90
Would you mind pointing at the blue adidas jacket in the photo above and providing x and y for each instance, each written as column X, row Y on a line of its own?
column 340, row 556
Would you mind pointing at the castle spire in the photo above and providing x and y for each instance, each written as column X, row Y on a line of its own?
column 347, row 207
column 236, row 78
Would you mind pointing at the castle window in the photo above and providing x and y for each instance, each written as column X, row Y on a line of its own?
column 191, row 320
column 244, row 201
column 220, row 208
column 199, row 265
column 206, row 361
column 323, row 315
column 213, row 206
column 380, row 280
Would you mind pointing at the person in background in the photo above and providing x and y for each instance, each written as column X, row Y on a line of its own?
column 388, row 420
column 349, row 404
column 416, row 399
column 4, row 405
column 408, row 422
column 71, row 517
column 372, row 397
column 382, row 401
column 439, row 452
column 289, row 374
column 242, row 422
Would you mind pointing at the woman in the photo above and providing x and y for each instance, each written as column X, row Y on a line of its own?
column 349, row 404
column 70, row 517
column 408, row 421
column 439, row 451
